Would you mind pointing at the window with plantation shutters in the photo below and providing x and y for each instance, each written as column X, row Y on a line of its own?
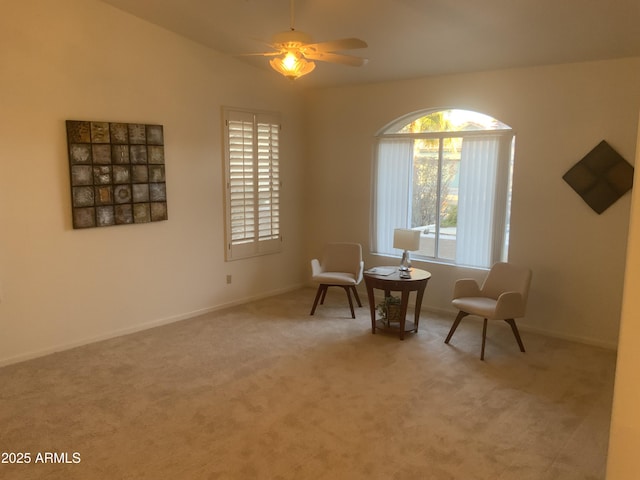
column 252, row 176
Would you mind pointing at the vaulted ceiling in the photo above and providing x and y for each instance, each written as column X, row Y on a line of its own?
column 410, row 38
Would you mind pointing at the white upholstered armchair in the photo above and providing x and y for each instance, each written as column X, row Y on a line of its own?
column 503, row 296
column 341, row 266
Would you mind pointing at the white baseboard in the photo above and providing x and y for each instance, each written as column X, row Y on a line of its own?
column 522, row 326
column 450, row 312
column 140, row 327
column 571, row 338
column 195, row 313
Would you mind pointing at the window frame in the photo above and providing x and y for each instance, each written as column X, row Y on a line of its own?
column 252, row 182
column 501, row 209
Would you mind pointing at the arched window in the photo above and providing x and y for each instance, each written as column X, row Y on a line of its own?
column 446, row 173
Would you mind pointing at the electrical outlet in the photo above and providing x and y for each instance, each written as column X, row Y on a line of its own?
column 228, row 279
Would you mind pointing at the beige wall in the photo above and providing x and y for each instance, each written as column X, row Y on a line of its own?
column 623, row 460
column 82, row 59
column 559, row 113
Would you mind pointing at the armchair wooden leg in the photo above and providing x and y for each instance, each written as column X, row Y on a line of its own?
column 324, row 293
column 456, row 322
column 484, row 338
column 355, row 293
column 514, row 328
column 348, row 290
column 322, row 290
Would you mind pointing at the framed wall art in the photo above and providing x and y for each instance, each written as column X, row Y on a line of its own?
column 117, row 173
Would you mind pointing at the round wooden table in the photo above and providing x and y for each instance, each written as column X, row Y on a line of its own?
column 393, row 283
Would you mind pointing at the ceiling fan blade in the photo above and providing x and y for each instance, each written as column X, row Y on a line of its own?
column 338, row 45
column 335, row 58
column 258, row 54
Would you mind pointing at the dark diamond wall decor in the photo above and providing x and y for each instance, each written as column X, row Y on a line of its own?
column 117, row 173
column 601, row 177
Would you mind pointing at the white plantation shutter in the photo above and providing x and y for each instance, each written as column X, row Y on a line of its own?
column 252, row 172
column 268, row 182
column 240, row 180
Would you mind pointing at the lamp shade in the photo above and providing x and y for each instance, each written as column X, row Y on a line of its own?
column 406, row 239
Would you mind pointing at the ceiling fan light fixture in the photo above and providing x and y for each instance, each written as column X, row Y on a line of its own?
column 292, row 65
column 293, row 53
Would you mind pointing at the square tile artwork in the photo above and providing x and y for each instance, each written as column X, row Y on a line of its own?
column 601, row 177
column 117, row 173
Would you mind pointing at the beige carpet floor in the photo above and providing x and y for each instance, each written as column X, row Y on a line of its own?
column 264, row 391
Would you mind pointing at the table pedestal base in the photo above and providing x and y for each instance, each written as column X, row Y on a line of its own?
column 394, row 327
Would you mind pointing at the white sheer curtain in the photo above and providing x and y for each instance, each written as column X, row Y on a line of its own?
column 393, row 191
column 477, row 200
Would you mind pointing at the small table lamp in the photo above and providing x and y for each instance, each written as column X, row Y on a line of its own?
column 407, row 240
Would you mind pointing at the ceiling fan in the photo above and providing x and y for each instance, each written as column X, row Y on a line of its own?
column 294, row 53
